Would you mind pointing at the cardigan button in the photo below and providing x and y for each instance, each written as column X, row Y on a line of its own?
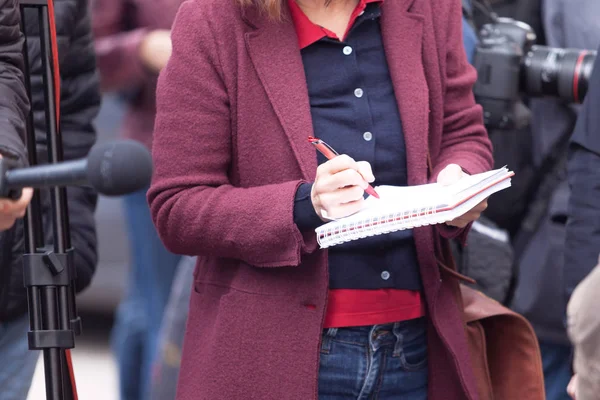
column 347, row 50
column 385, row 275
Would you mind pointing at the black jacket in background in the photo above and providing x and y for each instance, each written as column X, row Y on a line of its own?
column 583, row 226
column 80, row 101
column 13, row 98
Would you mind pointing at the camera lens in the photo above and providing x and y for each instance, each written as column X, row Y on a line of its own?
column 563, row 73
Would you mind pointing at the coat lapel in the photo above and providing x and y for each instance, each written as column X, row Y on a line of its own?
column 402, row 33
column 282, row 75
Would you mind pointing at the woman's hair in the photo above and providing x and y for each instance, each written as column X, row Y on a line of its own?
column 271, row 7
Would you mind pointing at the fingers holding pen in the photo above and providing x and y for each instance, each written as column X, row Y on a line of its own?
column 365, row 170
column 339, row 186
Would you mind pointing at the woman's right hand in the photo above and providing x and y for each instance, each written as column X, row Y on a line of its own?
column 155, row 49
column 339, row 187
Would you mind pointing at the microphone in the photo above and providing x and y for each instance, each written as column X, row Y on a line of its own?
column 112, row 169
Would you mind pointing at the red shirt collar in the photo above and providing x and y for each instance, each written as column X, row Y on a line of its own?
column 309, row 33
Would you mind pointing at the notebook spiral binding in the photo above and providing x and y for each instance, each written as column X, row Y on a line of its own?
column 377, row 225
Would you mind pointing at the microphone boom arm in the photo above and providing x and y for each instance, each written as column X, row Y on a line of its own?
column 72, row 173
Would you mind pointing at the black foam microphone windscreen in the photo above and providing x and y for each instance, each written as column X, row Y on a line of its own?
column 119, row 167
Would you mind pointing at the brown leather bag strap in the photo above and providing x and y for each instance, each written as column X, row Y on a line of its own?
column 455, row 273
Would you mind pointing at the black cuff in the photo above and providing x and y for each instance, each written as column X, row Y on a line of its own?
column 9, row 154
column 305, row 217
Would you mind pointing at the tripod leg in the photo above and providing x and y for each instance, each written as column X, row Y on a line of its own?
column 52, row 357
column 67, row 384
column 51, row 300
column 63, row 296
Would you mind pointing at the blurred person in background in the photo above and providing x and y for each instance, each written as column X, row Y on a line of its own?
column 172, row 333
column 543, row 273
column 133, row 44
column 584, row 331
column 237, row 184
column 582, row 283
column 544, row 128
column 80, row 101
column 14, row 105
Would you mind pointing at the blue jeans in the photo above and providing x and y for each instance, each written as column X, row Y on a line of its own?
column 556, row 359
column 18, row 363
column 138, row 319
column 381, row 362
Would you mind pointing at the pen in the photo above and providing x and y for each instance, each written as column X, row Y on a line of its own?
column 330, row 153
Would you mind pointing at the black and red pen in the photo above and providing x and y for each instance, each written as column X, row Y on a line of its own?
column 330, row 153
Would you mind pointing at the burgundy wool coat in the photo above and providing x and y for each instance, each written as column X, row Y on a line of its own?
column 230, row 149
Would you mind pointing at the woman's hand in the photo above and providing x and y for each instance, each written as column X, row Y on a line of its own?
column 339, row 187
column 452, row 174
column 572, row 387
column 155, row 49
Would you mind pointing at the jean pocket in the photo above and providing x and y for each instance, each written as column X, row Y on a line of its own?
column 411, row 347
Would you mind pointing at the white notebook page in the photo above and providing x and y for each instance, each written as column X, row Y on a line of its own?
column 407, row 207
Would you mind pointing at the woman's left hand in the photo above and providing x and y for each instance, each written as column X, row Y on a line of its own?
column 452, row 174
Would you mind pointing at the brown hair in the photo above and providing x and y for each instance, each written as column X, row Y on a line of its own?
column 270, row 7
column 273, row 8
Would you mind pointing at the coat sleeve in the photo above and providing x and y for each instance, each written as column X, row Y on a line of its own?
column 14, row 104
column 464, row 139
column 194, row 205
column 582, row 244
column 117, row 46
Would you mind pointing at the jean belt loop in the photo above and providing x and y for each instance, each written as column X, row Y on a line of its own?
column 329, row 334
column 332, row 332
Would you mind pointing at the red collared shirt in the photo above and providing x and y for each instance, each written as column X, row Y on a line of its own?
column 309, row 33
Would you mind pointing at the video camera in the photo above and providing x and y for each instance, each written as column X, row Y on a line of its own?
column 510, row 65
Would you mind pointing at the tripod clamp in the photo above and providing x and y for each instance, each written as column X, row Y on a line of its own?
column 44, row 269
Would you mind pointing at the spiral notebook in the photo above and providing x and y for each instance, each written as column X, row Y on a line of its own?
column 407, row 207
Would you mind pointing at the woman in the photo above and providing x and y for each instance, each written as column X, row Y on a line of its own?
column 133, row 44
column 237, row 184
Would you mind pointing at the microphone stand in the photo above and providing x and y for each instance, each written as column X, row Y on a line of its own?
column 49, row 271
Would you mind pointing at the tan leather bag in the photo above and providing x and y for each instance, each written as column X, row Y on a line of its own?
column 505, row 352
column 504, row 349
